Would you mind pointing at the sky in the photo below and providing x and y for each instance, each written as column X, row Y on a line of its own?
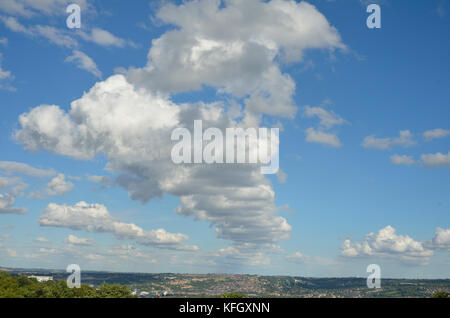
column 87, row 114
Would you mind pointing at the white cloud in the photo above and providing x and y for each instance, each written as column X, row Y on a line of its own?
column 84, row 62
column 405, row 139
column 59, row 186
column 6, row 205
column 301, row 258
column 94, row 257
column 42, row 240
column 436, row 133
column 55, row 36
column 402, row 160
column 104, row 38
column 96, row 218
column 234, row 47
column 28, row 8
column 72, row 239
column 14, row 25
column 12, row 167
column 298, row 257
column 321, row 137
column 3, row 74
column 99, row 179
column 436, row 160
column 386, row 243
column 441, row 239
column 3, row 41
column 328, row 119
column 132, row 128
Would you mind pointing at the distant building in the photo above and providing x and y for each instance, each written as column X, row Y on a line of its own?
column 42, row 279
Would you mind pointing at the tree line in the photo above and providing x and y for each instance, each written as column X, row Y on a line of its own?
column 23, row 287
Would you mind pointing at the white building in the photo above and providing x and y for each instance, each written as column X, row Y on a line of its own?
column 42, row 279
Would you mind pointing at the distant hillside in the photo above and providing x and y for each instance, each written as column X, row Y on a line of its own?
column 213, row 285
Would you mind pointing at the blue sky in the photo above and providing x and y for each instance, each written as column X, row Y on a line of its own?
column 364, row 142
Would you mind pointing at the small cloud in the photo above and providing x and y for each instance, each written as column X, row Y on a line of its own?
column 281, row 176
column 435, row 134
column 73, row 240
column 42, row 240
column 59, row 186
column 84, row 62
column 402, row 160
column 11, row 253
column 105, row 38
column 324, row 138
column 405, row 139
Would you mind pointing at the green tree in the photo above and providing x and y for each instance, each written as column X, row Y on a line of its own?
column 441, row 294
column 24, row 287
column 232, row 295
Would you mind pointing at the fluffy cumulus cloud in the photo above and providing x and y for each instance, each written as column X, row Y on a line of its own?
column 441, row 239
column 386, row 243
column 132, row 128
column 96, row 218
column 405, row 139
column 74, row 240
column 435, row 160
column 59, row 185
column 235, row 48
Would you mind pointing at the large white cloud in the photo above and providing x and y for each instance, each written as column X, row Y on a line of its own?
column 233, row 48
column 132, row 128
column 386, row 243
column 96, row 218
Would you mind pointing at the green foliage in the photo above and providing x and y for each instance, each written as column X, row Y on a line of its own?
column 24, row 287
column 232, row 295
column 441, row 294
